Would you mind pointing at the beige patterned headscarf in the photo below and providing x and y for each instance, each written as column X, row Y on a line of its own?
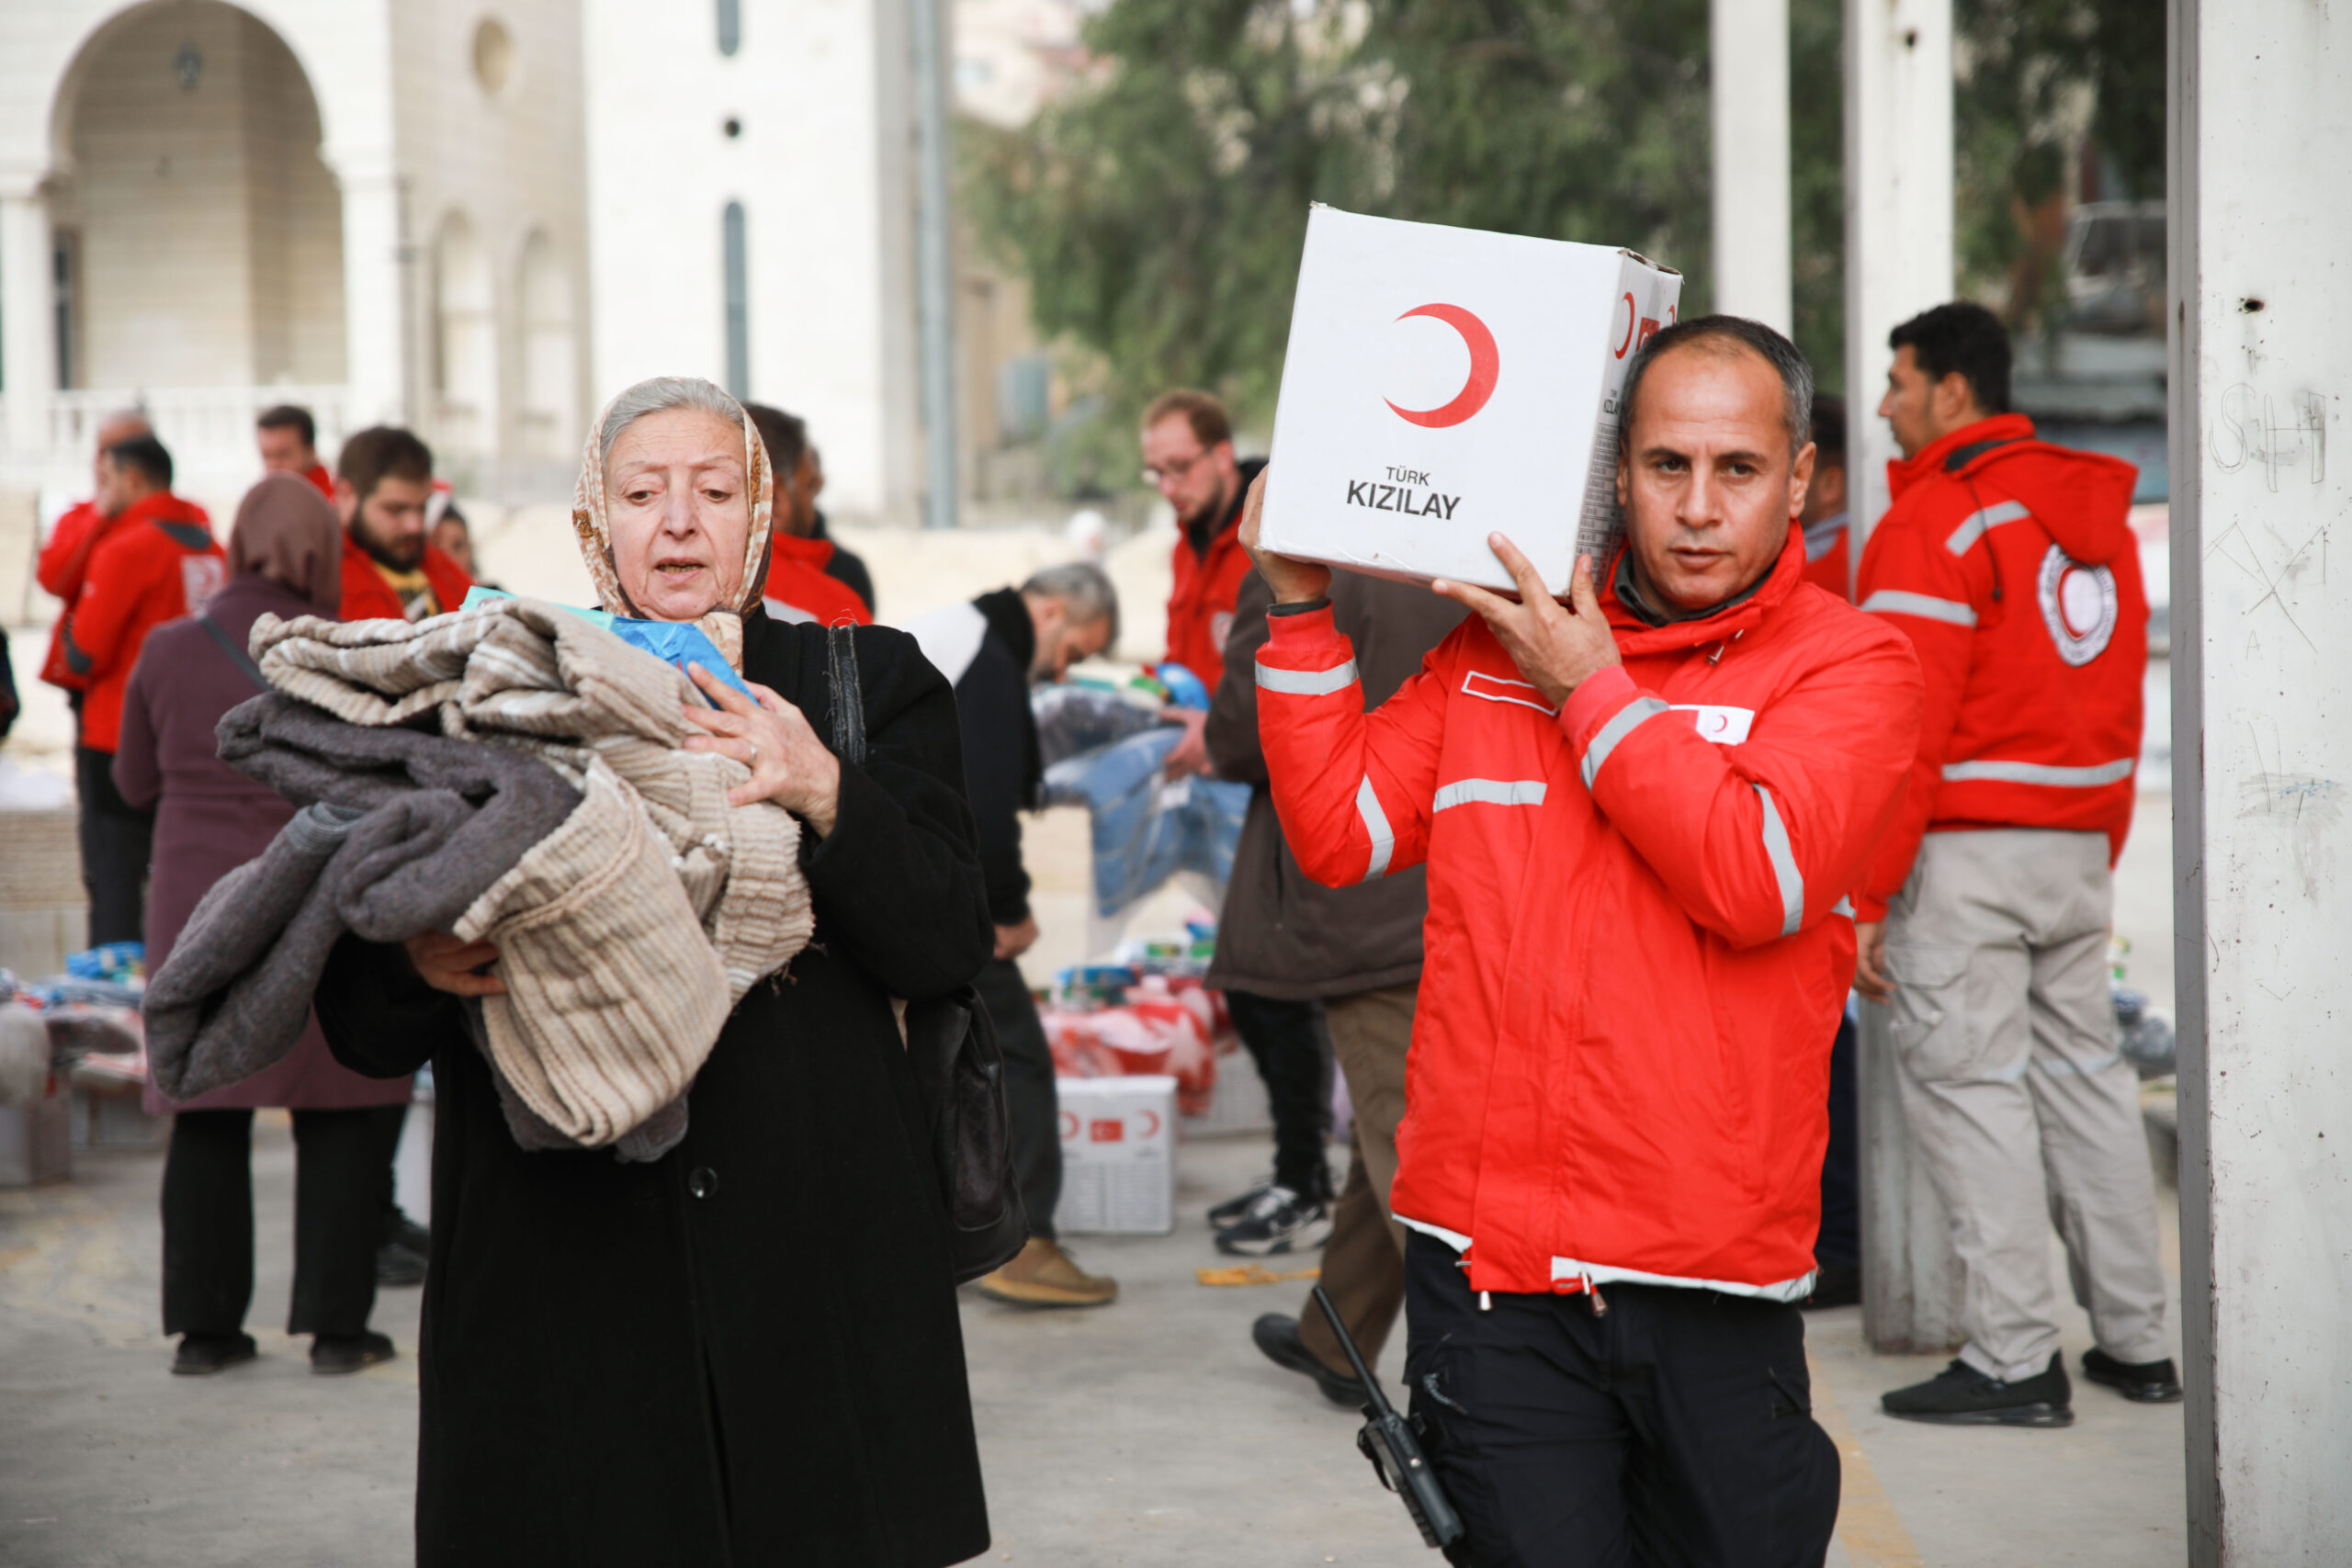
column 724, row 628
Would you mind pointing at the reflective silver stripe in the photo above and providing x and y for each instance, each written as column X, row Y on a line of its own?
column 1843, row 907
column 1628, row 719
column 1491, row 792
column 2040, row 773
column 1308, row 682
column 1375, row 822
column 1968, row 533
column 1896, row 601
column 1784, row 863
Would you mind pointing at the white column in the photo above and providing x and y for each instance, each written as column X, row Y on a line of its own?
column 27, row 320
column 2262, row 770
column 1898, row 262
column 376, row 263
column 1748, row 69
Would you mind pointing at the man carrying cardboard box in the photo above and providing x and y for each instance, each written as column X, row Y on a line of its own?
column 1640, row 815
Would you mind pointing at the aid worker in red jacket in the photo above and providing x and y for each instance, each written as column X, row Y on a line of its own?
column 155, row 561
column 64, row 560
column 391, row 571
column 288, row 439
column 1188, row 458
column 2010, row 564
column 1641, row 813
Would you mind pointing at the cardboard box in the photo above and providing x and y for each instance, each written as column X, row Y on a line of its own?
column 1442, row 384
column 1118, row 1156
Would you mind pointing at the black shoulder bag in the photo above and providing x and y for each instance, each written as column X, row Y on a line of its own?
column 958, row 1066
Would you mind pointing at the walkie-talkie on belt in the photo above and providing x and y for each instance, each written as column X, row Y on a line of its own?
column 1388, row 1440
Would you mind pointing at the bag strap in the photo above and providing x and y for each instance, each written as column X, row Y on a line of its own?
column 848, row 696
column 237, row 656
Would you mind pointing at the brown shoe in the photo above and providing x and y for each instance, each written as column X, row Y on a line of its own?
column 1044, row 1275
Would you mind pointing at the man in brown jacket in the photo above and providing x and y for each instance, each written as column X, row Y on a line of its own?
column 1357, row 950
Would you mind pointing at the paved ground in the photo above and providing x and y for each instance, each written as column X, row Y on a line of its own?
column 1148, row 1434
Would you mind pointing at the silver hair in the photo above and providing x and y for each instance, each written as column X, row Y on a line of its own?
column 659, row 395
column 1084, row 588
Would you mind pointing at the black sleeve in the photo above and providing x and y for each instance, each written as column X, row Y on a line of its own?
column 7, row 687
column 850, row 572
column 992, row 699
column 897, row 883
column 1232, row 733
column 378, row 1018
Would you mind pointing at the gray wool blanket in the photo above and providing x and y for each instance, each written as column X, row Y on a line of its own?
column 400, row 833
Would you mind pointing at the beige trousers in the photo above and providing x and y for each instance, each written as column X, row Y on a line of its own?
column 2024, row 1112
column 1363, row 1263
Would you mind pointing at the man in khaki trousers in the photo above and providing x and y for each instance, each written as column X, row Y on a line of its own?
column 2011, row 565
column 1357, row 950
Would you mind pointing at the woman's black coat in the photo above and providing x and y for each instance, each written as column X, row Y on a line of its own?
column 747, row 1352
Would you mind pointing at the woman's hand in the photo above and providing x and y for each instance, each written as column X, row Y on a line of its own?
column 448, row 965
column 1556, row 648
column 789, row 765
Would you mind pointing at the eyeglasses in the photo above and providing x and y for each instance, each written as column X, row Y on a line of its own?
column 1158, row 476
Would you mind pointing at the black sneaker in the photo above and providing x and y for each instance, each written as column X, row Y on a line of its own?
column 1276, row 1334
column 396, row 1265
column 2143, row 1383
column 201, row 1355
column 1833, row 1285
column 1960, row 1395
column 1280, row 1222
column 1233, row 1209
column 401, row 1231
column 331, row 1355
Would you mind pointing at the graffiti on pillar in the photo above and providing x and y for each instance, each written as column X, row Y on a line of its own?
column 2287, row 438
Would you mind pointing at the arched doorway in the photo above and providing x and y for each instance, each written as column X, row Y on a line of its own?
column 546, row 414
column 199, row 235
column 465, row 341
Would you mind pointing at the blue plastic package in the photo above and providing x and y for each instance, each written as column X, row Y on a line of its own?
column 672, row 642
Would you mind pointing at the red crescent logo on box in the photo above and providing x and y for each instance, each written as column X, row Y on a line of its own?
column 1486, row 365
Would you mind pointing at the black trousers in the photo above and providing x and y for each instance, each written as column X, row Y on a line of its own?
column 1287, row 1039
column 117, row 840
column 341, row 1171
column 1840, row 1243
column 1029, row 1095
column 1675, row 1428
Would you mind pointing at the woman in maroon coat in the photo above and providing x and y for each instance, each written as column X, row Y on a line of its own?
column 284, row 559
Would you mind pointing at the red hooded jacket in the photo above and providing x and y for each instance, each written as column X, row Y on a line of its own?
column 2011, row 566
column 368, row 597
column 1638, row 941
column 157, row 562
column 64, row 566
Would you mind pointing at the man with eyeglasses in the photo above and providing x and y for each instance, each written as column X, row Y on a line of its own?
column 1188, row 458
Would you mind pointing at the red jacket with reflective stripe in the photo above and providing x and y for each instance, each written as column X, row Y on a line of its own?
column 1206, row 583
column 2011, row 566
column 1638, row 942
column 157, row 563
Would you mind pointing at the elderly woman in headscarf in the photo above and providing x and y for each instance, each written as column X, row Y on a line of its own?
column 283, row 560
column 746, row 1350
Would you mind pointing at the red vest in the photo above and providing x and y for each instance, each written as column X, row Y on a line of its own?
column 1638, row 941
column 368, row 597
column 799, row 588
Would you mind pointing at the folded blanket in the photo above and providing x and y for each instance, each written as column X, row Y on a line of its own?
column 631, row 905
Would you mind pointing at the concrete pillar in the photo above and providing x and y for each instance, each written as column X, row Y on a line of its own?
column 2261, row 133
column 376, row 266
column 27, row 320
column 1749, row 72
column 1898, row 262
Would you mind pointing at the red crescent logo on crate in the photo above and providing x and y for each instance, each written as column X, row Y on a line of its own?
column 1486, row 365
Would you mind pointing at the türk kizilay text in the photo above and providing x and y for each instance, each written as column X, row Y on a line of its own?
column 1401, row 494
